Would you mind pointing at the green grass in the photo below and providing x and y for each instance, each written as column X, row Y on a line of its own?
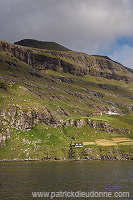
column 61, row 58
column 42, row 45
column 125, row 121
column 40, row 142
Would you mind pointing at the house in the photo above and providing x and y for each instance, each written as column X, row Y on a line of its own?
column 97, row 112
column 112, row 112
column 78, row 144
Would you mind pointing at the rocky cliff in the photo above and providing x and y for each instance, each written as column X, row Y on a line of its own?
column 19, row 118
column 69, row 62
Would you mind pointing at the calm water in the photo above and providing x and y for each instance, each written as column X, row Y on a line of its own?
column 19, row 179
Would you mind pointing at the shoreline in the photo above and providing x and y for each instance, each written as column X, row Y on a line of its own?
column 58, row 159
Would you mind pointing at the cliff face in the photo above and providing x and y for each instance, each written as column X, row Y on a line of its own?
column 101, row 126
column 21, row 119
column 69, row 62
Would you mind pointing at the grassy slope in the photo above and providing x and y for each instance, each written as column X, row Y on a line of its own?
column 70, row 94
column 42, row 45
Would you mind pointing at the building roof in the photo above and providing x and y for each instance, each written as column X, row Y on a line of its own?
column 97, row 111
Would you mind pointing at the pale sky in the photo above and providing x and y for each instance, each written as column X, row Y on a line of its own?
column 103, row 27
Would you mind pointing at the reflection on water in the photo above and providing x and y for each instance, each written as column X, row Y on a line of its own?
column 19, row 179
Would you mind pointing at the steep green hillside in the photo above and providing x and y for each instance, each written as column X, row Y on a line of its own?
column 42, row 45
column 47, row 101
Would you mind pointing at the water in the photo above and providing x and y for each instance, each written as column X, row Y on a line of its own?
column 19, row 179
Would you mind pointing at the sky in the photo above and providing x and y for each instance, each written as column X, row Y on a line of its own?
column 103, row 27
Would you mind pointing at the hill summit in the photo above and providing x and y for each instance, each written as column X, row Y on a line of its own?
column 41, row 45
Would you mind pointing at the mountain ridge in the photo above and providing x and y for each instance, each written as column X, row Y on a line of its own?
column 72, row 62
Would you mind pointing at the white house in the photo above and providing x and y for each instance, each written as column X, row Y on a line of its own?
column 112, row 112
column 78, row 144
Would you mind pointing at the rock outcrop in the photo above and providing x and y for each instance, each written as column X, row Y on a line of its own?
column 21, row 119
column 100, row 126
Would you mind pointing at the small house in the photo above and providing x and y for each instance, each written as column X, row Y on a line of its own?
column 78, row 144
column 112, row 112
column 97, row 112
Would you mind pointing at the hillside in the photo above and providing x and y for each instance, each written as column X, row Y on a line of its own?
column 47, row 99
column 41, row 45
